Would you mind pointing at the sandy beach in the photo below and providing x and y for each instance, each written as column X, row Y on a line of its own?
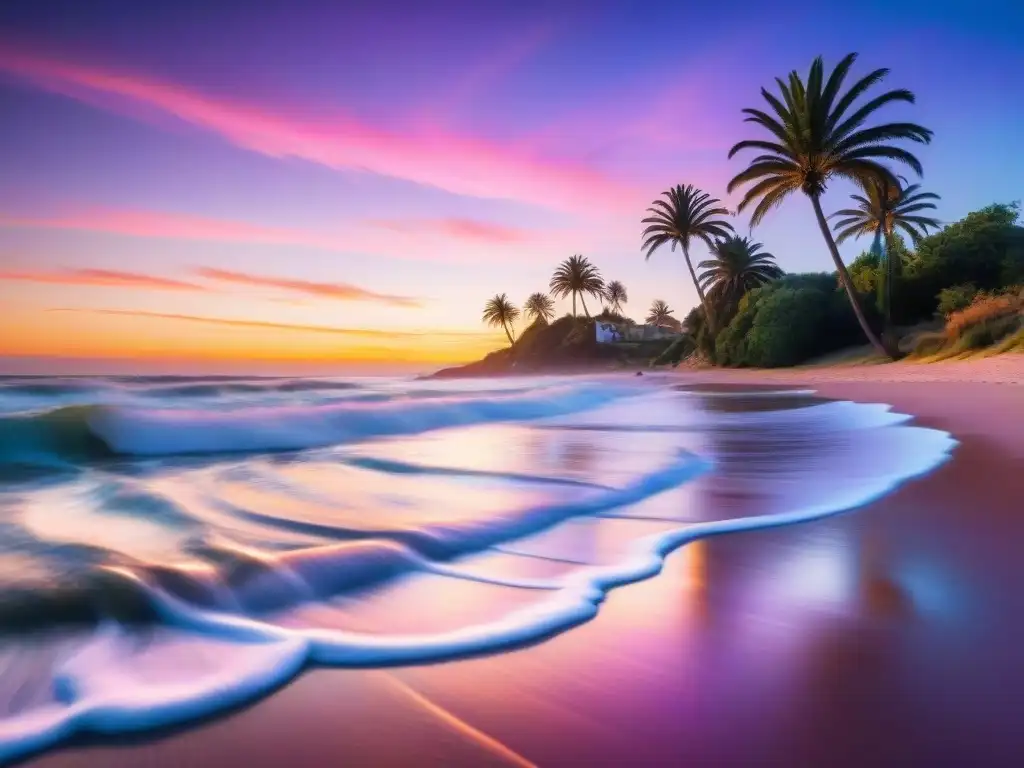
column 886, row 636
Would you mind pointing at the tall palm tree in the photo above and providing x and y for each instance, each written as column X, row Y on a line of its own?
column 737, row 266
column 884, row 208
column 684, row 214
column 615, row 295
column 815, row 137
column 540, row 307
column 499, row 311
column 576, row 275
column 659, row 314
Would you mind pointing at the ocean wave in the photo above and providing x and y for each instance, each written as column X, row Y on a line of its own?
column 57, row 438
column 80, row 433
column 226, row 577
column 220, row 604
column 165, row 633
column 217, row 388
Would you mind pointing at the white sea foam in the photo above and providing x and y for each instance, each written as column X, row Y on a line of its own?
column 222, row 656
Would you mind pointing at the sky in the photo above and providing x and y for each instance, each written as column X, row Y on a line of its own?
column 330, row 187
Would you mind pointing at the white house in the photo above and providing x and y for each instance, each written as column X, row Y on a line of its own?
column 607, row 333
column 611, row 333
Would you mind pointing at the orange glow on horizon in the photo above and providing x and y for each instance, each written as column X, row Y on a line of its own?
column 153, row 338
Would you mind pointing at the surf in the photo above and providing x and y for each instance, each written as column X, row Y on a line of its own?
column 157, row 590
column 89, row 432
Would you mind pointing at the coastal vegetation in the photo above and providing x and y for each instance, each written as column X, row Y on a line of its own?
column 576, row 276
column 660, row 314
column 922, row 289
column 815, row 137
column 500, row 312
column 881, row 210
column 540, row 307
column 737, row 266
column 685, row 214
column 616, row 296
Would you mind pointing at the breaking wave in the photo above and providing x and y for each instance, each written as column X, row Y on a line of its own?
column 178, row 591
column 82, row 433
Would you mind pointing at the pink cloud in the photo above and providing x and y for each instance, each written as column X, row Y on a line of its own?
column 267, row 325
column 463, row 229
column 341, row 291
column 429, row 239
column 455, row 163
column 102, row 277
column 174, row 226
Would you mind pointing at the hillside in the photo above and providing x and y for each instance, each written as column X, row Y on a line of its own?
column 566, row 344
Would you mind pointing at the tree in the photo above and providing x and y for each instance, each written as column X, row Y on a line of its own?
column 738, row 265
column 615, row 295
column 660, row 314
column 814, row 138
column 540, row 307
column 500, row 312
column 883, row 209
column 684, row 214
column 985, row 248
column 576, row 275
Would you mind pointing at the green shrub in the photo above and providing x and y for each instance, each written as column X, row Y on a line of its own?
column 985, row 248
column 956, row 298
column 864, row 271
column 789, row 321
column 785, row 330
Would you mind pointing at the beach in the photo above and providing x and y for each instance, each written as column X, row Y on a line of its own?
column 884, row 636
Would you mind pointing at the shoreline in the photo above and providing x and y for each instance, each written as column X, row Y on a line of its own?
column 570, row 697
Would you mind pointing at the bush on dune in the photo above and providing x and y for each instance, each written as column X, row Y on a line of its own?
column 790, row 321
column 990, row 319
column 984, row 310
column 984, row 249
column 956, row 298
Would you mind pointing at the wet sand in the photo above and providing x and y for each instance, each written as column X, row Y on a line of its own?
column 888, row 636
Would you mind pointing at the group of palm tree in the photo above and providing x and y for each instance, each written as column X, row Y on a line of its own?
column 816, row 133
column 737, row 265
column 574, row 277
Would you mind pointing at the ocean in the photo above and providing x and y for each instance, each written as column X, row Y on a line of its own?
column 172, row 547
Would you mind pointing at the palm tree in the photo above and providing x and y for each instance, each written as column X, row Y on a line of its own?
column 540, row 307
column 576, row 275
column 659, row 313
column 883, row 209
column 815, row 137
column 499, row 311
column 615, row 295
column 686, row 213
column 738, row 265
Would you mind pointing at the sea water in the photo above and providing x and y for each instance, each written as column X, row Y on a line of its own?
column 174, row 546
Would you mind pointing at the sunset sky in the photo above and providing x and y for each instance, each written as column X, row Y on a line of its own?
column 228, row 186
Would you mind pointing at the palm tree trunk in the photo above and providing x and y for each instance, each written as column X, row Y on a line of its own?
column 844, row 278
column 511, row 341
column 878, row 248
column 890, row 278
column 584, row 302
column 574, row 304
column 708, row 316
